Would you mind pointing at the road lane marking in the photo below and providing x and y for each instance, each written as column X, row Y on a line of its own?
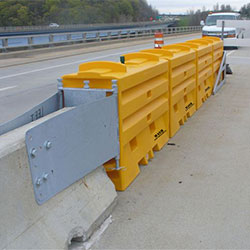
column 3, row 89
column 231, row 52
column 62, row 65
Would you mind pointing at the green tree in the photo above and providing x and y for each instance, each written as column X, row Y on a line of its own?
column 38, row 12
column 245, row 10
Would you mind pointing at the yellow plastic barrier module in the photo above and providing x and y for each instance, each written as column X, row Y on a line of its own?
column 218, row 47
column 182, row 90
column 204, row 67
column 143, row 106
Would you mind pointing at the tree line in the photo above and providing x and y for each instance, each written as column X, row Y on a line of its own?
column 43, row 12
column 245, row 10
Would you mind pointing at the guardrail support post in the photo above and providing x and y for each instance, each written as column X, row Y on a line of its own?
column 51, row 39
column 84, row 35
column 69, row 37
column 98, row 37
column 30, row 41
column 5, row 43
column 222, row 31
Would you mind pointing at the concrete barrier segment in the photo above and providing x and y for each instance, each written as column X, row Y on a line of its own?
column 74, row 213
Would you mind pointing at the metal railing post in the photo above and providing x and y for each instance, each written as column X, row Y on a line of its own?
column 119, row 34
column 5, row 42
column 98, row 36
column 84, row 36
column 69, row 37
column 128, row 33
column 222, row 30
column 30, row 41
column 51, row 38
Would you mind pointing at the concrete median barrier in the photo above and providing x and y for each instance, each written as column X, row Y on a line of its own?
column 72, row 214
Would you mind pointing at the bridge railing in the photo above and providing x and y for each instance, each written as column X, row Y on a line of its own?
column 47, row 40
column 82, row 26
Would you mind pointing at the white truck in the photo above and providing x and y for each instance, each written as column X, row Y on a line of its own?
column 210, row 27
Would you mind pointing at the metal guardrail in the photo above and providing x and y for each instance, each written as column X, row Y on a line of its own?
column 81, row 26
column 32, row 41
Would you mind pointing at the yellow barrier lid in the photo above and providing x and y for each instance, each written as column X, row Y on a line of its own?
column 100, row 73
column 159, row 52
column 105, row 70
column 191, row 45
column 102, row 67
column 169, row 51
column 201, row 41
column 97, row 69
column 176, row 48
column 140, row 59
column 201, row 48
column 216, row 42
column 216, row 39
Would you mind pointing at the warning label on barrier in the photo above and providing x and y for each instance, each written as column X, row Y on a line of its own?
column 159, row 134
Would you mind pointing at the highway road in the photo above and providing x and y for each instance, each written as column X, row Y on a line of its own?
column 25, row 85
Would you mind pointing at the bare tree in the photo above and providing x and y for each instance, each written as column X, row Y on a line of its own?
column 216, row 7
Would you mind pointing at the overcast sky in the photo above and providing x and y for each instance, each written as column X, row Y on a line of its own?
column 181, row 6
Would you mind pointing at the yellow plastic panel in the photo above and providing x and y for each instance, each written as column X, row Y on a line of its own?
column 143, row 105
column 218, row 47
column 204, row 70
column 144, row 111
column 182, row 73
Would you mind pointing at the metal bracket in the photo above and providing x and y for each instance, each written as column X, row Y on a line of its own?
column 67, row 147
column 223, row 66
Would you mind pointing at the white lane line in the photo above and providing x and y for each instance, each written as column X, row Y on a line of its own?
column 3, row 89
column 62, row 65
column 231, row 52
